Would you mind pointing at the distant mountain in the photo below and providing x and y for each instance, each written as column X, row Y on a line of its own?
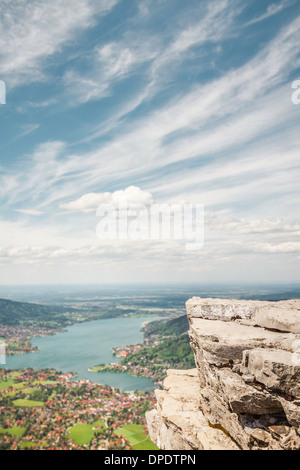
column 171, row 352
column 275, row 296
column 174, row 327
column 18, row 313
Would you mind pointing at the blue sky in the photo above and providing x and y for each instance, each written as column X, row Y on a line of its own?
column 184, row 101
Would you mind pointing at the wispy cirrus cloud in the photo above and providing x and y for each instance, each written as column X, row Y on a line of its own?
column 27, row 129
column 111, row 63
column 196, row 109
column 209, row 119
column 272, row 10
column 29, row 212
column 116, row 61
column 32, row 32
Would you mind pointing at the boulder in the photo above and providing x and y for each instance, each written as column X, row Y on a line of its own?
column 177, row 422
column 218, row 309
column 292, row 411
column 281, row 319
column 243, row 398
column 273, row 368
column 223, row 343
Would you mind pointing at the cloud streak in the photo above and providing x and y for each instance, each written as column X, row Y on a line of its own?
column 32, row 32
column 272, row 10
column 116, row 61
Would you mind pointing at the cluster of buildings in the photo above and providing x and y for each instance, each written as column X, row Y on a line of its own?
column 124, row 351
column 155, row 368
column 17, row 338
column 46, row 424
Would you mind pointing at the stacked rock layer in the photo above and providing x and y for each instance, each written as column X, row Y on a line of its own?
column 245, row 390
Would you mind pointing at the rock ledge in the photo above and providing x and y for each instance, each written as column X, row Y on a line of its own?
column 244, row 393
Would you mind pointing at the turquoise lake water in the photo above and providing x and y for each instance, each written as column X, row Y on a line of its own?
column 85, row 345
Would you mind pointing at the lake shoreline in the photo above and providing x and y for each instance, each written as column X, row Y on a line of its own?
column 105, row 334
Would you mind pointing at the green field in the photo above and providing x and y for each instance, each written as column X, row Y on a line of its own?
column 134, row 433
column 27, row 445
column 14, row 431
column 44, row 382
column 82, row 434
column 16, row 387
column 11, row 383
column 10, row 394
column 29, row 391
column 14, row 374
column 6, row 383
column 28, row 403
column 20, row 385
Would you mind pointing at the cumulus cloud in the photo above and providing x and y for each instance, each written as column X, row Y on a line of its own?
column 89, row 203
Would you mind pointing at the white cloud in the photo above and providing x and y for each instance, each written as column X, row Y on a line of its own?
column 272, row 10
column 31, row 32
column 27, row 129
column 29, row 212
column 245, row 226
column 240, row 107
column 232, row 143
column 35, row 177
column 35, row 105
column 115, row 61
column 111, row 63
column 268, row 170
column 285, row 247
column 89, row 203
column 211, row 28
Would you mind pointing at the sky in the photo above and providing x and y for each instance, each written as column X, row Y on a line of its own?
column 161, row 102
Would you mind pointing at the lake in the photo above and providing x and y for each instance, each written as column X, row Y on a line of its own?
column 85, row 345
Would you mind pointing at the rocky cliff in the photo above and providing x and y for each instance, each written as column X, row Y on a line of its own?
column 244, row 393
